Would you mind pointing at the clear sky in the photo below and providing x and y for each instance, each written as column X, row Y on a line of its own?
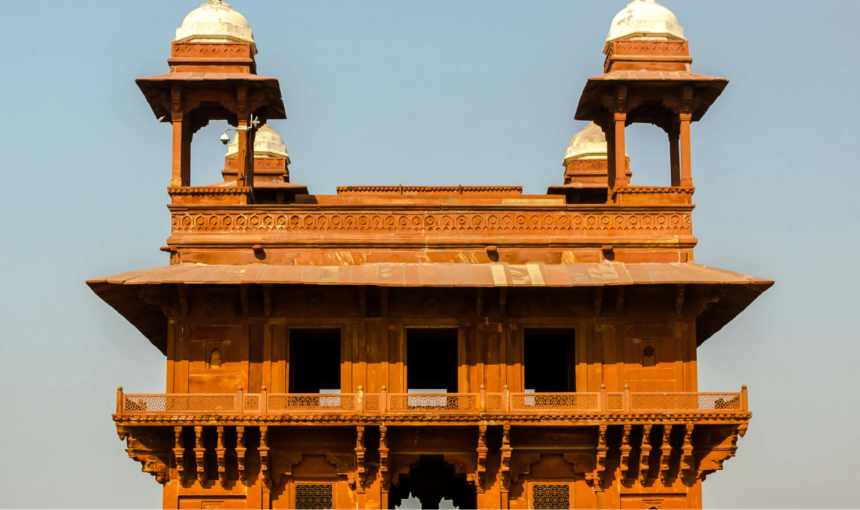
column 442, row 92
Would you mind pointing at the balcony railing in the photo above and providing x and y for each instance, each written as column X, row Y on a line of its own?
column 385, row 403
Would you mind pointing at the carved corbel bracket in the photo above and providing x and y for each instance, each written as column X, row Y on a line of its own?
column 645, row 456
column 153, row 451
column 625, row 452
column 240, row 454
column 598, row 300
column 619, row 303
column 283, row 465
column 713, row 445
column 698, row 305
column 481, row 472
column 267, row 299
column 401, row 464
column 244, row 291
column 220, row 453
column 160, row 297
column 360, row 469
column 200, row 454
column 687, row 467
column 506, row 451
column 602, row 450
column 680, row 290
column 183, row 299
column 179, row 453
column 362, row 301
column 666, row 454
column 522, row 465
column 384, row 463
column 265, row 472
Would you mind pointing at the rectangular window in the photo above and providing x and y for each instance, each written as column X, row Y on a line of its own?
column 431, row 360
column 315, row 360
column 550, row 360
column 316, row 495
column 550, row 496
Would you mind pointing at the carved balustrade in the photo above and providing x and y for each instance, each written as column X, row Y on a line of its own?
column 290, row 223
column 384, row 403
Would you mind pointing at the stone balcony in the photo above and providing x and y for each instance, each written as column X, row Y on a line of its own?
column 455, row 408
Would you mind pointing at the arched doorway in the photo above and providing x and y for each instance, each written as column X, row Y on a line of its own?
column 432, row 480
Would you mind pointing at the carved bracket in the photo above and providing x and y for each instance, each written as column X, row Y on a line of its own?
column 645, row 456
column 153, row 451
column 481, row 472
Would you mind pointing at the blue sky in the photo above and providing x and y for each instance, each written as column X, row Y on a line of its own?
column 478, row 92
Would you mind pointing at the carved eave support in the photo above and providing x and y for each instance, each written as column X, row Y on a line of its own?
column 220, row 452
column 265, row 472
column 481, row 472
column 602, row 450
column 152, row 451
column 522, row 465
column 697, row 306
column 479, row 306
column 284, row 462
column 360, row 450
column 383, row 301
column 666, row 454
column 503, row 301
column 162, row 298
column 645, row 456
column 240, row 454
column 244, row 291
column 267, row 299
column 362, row 301
column 680, row 290
column 687, row 467
column 179, row 453
column 717, row 447
column 506, row 450
column 183, row 299
column 598, row 300
column 384, row 463
column 625, row 452
column 619, row 304
column 200, row 454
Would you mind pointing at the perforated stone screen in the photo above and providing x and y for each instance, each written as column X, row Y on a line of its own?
column 318, row 495
column 550, row 496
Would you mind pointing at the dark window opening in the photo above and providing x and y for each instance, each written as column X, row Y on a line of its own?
column 314, row 360
column 550, row 365
column 434, row 484
column 431, row 359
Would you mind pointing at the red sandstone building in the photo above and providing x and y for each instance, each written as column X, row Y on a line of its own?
column 476, row 344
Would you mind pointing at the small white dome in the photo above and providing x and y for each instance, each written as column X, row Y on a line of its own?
column 590, row 143
column 215, row 21
column 645, row 19
column 267, row 143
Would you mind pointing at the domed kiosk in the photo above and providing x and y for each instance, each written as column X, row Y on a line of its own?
column 271, row 166
column 586, row 168
column 213, row 76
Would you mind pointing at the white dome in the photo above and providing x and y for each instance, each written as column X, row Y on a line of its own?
column 267, row 143
column 590, row 143
column 215, row 21
column 645, row 19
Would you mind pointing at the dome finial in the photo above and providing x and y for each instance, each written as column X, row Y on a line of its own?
column 644, row 19
column 215, row 21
